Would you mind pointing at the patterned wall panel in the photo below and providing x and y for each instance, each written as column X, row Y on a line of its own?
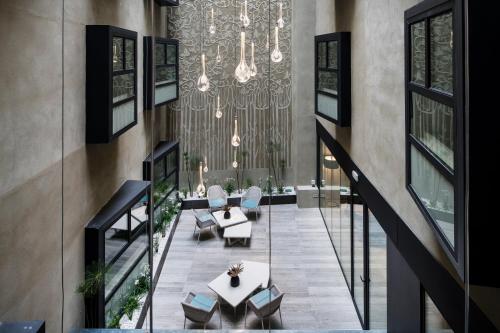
column 262, row 105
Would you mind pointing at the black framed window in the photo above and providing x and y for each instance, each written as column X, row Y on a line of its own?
column 333, row 82
column 434, row 119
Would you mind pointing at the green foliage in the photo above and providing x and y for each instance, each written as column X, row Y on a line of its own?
column 130, row 305
column 95, row 275
column 247, row 183
column 281, row 188
column 130, row 302
column 184, row 192
column 268, row 185
column 229, row 186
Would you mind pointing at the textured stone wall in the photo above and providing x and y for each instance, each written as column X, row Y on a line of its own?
column 262, row 105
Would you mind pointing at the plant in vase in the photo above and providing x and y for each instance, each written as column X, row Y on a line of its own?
column 234, row 271
column 227, row 212
column 281, row 188
column 229, row 186
column 184, row 192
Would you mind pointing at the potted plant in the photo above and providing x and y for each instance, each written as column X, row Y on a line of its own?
column 234, row 272
column 227, row 212
column 95, row 276
column 229, row 186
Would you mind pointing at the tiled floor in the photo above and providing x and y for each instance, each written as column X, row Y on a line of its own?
column 303, row 265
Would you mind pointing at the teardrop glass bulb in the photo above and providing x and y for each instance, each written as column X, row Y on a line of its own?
column 242, row 16
column 115, row 55
column 218, row 113
column 267, row 42
column 235, row 162
column 201, row 187
column 218, row 58
column 205, row 169
column 242, row 72
column 212, row 29
column 276, row 56
column 203, row 83
column 246, row 19
column 281, row 22
column 235, row 141
column 253, row 68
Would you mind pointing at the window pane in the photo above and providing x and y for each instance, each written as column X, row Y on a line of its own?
column 129, row 53
column 123, row 87
column 171, row 54
column 441, row 43
column 327, row 81
column 322, row 55
column 418, row 52
column 123, row 115
column 345, row 226
column 378, row 274
column 432, row 124
column 434, row 320
column 117, row 53
column 435, row 193
column 332, row 55
column 165, row 75
column 115, row 238
column 126, row 261
column 160, row 54
column 327, row 105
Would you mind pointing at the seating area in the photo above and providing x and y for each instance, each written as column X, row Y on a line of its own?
column 194, row 290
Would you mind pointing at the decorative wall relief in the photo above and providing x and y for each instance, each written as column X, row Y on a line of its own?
column 262, row 104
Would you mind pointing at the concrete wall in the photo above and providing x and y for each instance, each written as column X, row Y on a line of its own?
column 376, row 139
column 46, row 200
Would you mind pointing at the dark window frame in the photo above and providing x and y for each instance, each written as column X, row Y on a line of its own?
column 343, row 71
column 424, row 12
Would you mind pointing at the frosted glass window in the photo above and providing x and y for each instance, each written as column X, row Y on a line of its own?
column 418, row 52
column 435, row 193
column 165, row 93
column 441, row 44
column 328, row 81
column 327, row 105
column 432, row 124
column 123, row 115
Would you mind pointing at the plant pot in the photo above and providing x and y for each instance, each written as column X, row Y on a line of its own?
column 235, row 281
column 227, row 215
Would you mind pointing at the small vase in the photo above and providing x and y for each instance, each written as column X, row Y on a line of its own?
column 235, row 281
column 227, row 215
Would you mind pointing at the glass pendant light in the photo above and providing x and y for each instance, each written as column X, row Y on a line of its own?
column 242, row 72
column 281, row 22
column 276, row 56
column 242, row 16
column 203, row 83
column 235, row 141
column 235, row 162
column 201, row 187
column 218, row 58
column 212, row 29
column 218, row 113
column 245, row 19
column 253, row 68
column 267, row 42
column 205, row 169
